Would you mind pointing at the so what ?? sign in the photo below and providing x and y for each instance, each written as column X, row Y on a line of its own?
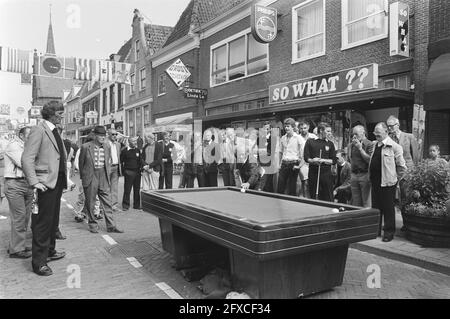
column 359, row 78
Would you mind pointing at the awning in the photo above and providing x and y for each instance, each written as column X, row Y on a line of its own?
column 361, row 100
column 179, row 122
column 437, row 88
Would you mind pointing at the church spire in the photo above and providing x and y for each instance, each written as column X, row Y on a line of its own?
column 50, row 40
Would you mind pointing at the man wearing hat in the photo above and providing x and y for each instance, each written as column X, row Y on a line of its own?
column 95, row 171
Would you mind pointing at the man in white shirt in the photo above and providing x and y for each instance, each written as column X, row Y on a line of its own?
column 291, row 154
column 19, row 194
column 116, row 169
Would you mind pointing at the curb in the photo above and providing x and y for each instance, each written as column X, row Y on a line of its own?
column 403, row 257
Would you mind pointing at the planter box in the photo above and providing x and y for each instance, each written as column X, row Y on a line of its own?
column 427, row 231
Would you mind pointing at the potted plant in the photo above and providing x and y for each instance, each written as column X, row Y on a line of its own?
column 426, row 214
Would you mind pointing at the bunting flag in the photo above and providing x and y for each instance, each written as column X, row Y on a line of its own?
column 16, row 60
column 106, row 72
column 122, row 72
column 86, row 69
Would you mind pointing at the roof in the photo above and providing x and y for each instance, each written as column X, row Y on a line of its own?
column 197, row 13
column 156, row 36
column 124, row 51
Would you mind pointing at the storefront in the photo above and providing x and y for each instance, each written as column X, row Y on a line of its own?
column 343, row 99
column 176, row 124
column 137, row 119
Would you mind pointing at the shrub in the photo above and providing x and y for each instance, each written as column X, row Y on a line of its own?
column 427, row 188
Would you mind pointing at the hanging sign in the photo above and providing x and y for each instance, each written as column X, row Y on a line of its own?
column 178, row 72
column 399, row 29
column 264, row 23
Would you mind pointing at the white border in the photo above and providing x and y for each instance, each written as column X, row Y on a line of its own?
column 294, row 57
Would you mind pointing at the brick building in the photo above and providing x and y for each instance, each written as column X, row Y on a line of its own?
column 437, row 92
column 173, row 110
column 316, row 40
column 146, row 40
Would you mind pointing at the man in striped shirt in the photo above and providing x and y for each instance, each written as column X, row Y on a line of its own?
column 95, row 172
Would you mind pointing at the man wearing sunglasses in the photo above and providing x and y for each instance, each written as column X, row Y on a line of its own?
column 386, row 167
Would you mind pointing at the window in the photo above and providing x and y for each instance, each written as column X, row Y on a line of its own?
column 121, row 96
column 142, row 79
column 146, row 115
column 363, row 21
column 112, row 98
column 308, row 30
column 162, row 84
column 105, row 101
column 238, row 57
column 133, row 81
column 137, row 50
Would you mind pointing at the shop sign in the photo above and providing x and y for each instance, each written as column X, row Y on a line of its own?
column 178, row 72
column 91, row 115
column 193, row 93
column 399, row 29
column 264, row 23
column 355, row 79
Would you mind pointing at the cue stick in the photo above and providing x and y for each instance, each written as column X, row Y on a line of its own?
column 318, row 176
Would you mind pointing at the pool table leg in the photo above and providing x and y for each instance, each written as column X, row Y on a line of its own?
column 190, row 250
column 291, row 276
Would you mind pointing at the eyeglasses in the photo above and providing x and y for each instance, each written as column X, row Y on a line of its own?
column 114, row 134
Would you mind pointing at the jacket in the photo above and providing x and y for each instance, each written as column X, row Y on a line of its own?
column 393, row 164
column 410, row 148
column 156, row 162
column 41, row 156
column 87, row 165
column 345, row 177
column 13, row 155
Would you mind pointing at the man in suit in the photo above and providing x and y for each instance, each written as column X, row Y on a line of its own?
column 151, row 161
column 116, row 169
column 95, row 172
column 166, row 176
column 342, row 186
column 131, row 161
column 386, row 167
column 211, row 156
column 44, row 166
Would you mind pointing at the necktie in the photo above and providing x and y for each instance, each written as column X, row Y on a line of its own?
column 62, row 158
column 394, row 137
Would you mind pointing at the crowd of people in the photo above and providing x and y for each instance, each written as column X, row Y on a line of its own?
column 292, row 161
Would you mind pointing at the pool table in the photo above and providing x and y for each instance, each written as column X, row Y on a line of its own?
column 273, row 245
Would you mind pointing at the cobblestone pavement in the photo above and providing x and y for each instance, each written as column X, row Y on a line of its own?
column 108, row 267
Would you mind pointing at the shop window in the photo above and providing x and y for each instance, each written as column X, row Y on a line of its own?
column 363, row 21
column 237, row 57
column 146, row 115
column 162, row 84
column 142, row 79
column 308, row 30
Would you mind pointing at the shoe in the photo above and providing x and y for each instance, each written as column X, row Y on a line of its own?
column 60, row 236
column 56, row 255
column 387, row 238
column 79, row 219
column 43, row 271
column 114, row 230
column 21, row 255
column 93, row 230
